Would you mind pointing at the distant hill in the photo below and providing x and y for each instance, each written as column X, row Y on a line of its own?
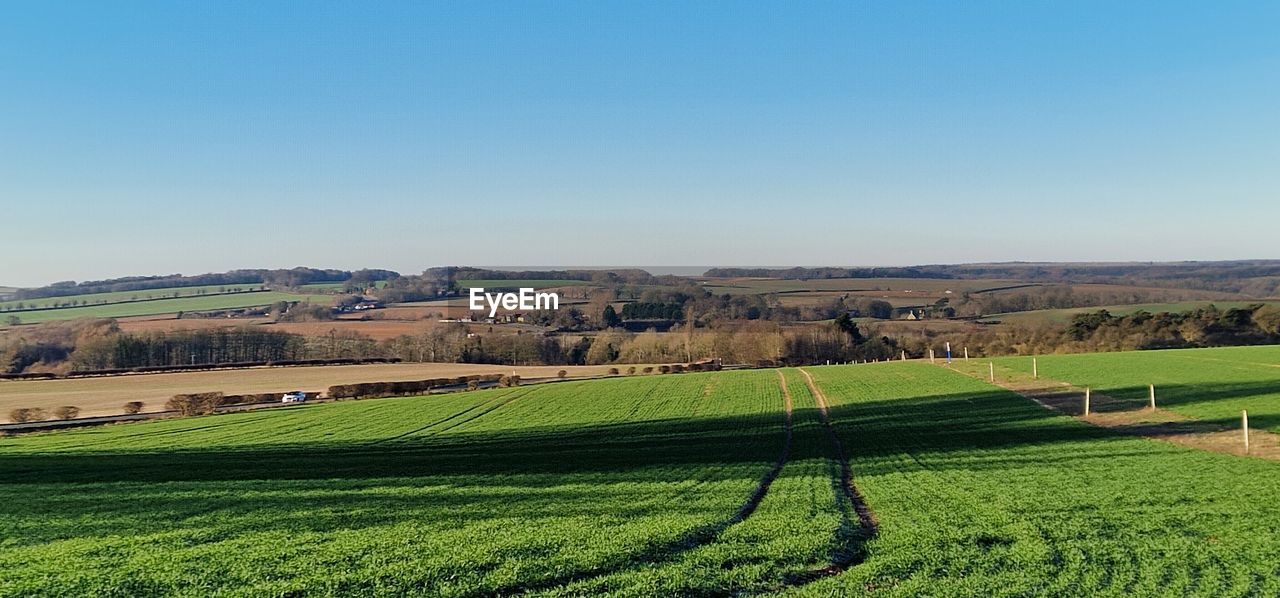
column 290, row 278
column 1260, row 278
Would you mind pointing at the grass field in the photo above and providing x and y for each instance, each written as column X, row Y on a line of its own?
column 107, row 395
column 1059, row 316
column 461, row 495
column 125, row 296
column 167, row 306
column 697, row 484
column 980, row 492
column 1207, row 384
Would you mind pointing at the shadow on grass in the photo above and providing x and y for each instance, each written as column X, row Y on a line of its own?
column 666, row 448
column 1264, row 408
column 605, row 470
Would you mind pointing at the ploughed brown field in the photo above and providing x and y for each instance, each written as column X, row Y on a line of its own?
column 376, row 329
column 107, row 395
column 383, row 323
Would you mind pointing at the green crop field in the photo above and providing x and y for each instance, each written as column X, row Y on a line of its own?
column 1207, row 384
column 94, row 299
column 1059, row 316
column 516, row 284
column 980, row 492
column 693, row 484
column 166, row 306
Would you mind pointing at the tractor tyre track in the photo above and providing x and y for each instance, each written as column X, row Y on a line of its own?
column 867, row 526
column 701, row 536
column 483, row 409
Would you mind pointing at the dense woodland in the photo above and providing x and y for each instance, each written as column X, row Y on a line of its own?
column 1102, row 331
column 99, row 344
column 606, row 277
column 826, row 273
column 1060, row 297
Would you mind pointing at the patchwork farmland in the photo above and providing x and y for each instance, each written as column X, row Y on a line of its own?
column 147, row 303
column 881, row 479
column 128, row 296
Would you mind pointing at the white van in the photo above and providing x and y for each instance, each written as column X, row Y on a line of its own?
column 296, row 396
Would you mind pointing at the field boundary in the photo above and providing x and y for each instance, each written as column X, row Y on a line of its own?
column 1108, row 412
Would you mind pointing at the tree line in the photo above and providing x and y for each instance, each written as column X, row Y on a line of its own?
column 1062, row 297
column 826, row 273
column 1101, row 331
column 100, row 345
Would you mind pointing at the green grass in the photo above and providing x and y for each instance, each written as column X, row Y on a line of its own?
column 982, row 493
column 95, row 299
column 634, row 487
column 1059, row 316
column 1207, row 384
column 166, row 306
column 516, row 284
column 793, row 530
column 464, row 494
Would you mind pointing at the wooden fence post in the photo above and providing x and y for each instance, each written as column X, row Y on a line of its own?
column 1152, row 388
column 1244, row 424
column 992, row 367
column 1035, row 369
column 966, row 353
column 1087, row 391
column 904, row 354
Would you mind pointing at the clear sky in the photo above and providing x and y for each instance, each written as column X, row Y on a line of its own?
column 162, row 137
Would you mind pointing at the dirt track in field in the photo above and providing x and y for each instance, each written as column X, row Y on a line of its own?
column 867, row 524
column 695, row 538
column 1160, row 424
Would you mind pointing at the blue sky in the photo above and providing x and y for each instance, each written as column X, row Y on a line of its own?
column 160, row 137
